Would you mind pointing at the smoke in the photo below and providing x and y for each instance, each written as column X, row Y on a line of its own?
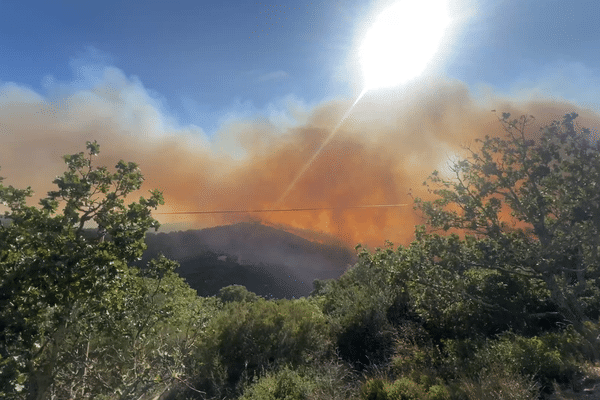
column 386, row 148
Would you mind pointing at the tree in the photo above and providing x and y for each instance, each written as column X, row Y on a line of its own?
column 365, row 308
column 530, row 207
column 64, row 286
column 232, row 293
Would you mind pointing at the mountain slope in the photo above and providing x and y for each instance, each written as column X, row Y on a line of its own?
column 268, row 261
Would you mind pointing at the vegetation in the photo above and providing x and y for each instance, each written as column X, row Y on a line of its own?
column 496, row 298
column 76, row 320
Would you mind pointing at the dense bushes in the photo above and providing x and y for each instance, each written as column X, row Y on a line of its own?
column 284, row 384
column 551, row 357
column 402, row 389
column 495, row 383
column 364, row 307
column 248, row 338
column 232, row 293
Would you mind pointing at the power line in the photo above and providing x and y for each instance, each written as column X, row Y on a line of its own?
column 280, row 209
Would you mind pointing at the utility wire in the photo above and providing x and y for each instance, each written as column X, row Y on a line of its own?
column 280, row 209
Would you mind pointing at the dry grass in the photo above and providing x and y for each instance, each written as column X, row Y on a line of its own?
column 498, row 384
column 586, row 388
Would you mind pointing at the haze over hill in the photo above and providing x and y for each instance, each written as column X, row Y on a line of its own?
column 268, row 261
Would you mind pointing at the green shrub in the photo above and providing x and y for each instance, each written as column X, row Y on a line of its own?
column 232, row 293
column 323, row 381
column 548, row 358
column 415, row 354
column 496, row 383
column 438, row 392
column 334, row 381
column 285, row 384
column 364, row 308
column 401, row 389
column 368, row 340
column 545, row 357
column 374, row 389
column 405, row 389
column 248, row 338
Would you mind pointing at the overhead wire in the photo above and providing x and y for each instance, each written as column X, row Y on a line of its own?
column 279, row 209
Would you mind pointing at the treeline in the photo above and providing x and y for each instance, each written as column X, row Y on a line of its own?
column 498, row 296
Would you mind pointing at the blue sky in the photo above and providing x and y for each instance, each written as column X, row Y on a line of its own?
column 206, row 60
column 223, row 102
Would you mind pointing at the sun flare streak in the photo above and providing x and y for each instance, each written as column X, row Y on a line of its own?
column 316, row 154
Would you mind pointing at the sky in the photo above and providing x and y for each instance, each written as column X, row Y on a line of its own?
column 223, row 103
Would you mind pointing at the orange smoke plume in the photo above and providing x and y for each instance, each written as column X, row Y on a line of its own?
column 386, row 148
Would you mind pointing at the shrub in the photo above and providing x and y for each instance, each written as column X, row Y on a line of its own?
column 367, row 341
column 285, row 384
column 401, row 389
column 334, row 380
column 239, row 293
column 496, row 383
column 374, row 389
column 438, row 392
column 548, row 358
column 405, row 389
column 364, row 308
column 545, row 357
column 415, row 353
column 246, row 339
column 323, row 381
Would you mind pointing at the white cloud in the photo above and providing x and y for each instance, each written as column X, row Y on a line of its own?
column 99, row 96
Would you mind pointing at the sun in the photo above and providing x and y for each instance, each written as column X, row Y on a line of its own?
column 449, row 165
column 402, row 41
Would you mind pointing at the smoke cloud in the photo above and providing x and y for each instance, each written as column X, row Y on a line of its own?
column 387, row 147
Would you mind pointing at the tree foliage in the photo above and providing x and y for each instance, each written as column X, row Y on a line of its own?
column 532, row 207
column 66, row 289
column 364, row 307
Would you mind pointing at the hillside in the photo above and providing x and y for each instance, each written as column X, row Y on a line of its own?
column 268, row 261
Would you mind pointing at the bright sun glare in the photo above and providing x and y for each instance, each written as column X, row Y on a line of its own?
column 396, row 49
column 402, row 41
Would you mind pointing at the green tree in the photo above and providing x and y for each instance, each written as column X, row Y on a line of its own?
column 530, row 207
column 63, row 286
column 236, row 293
column 364, row 307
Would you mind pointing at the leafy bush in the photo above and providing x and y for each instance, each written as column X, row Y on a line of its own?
column 334, row 381
column 551, row 357
column 401, row 389
column 454, row 296
column 438, row 392
column 364, row 307
column 236, row 293
column 495, row 383
column 323, row 381
column 542, row 357
column 416, row 353
column 144, row 358
column 367, row 341
column 285, row 384
column 405, row 389
column 374, row 389
column 248, row 338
